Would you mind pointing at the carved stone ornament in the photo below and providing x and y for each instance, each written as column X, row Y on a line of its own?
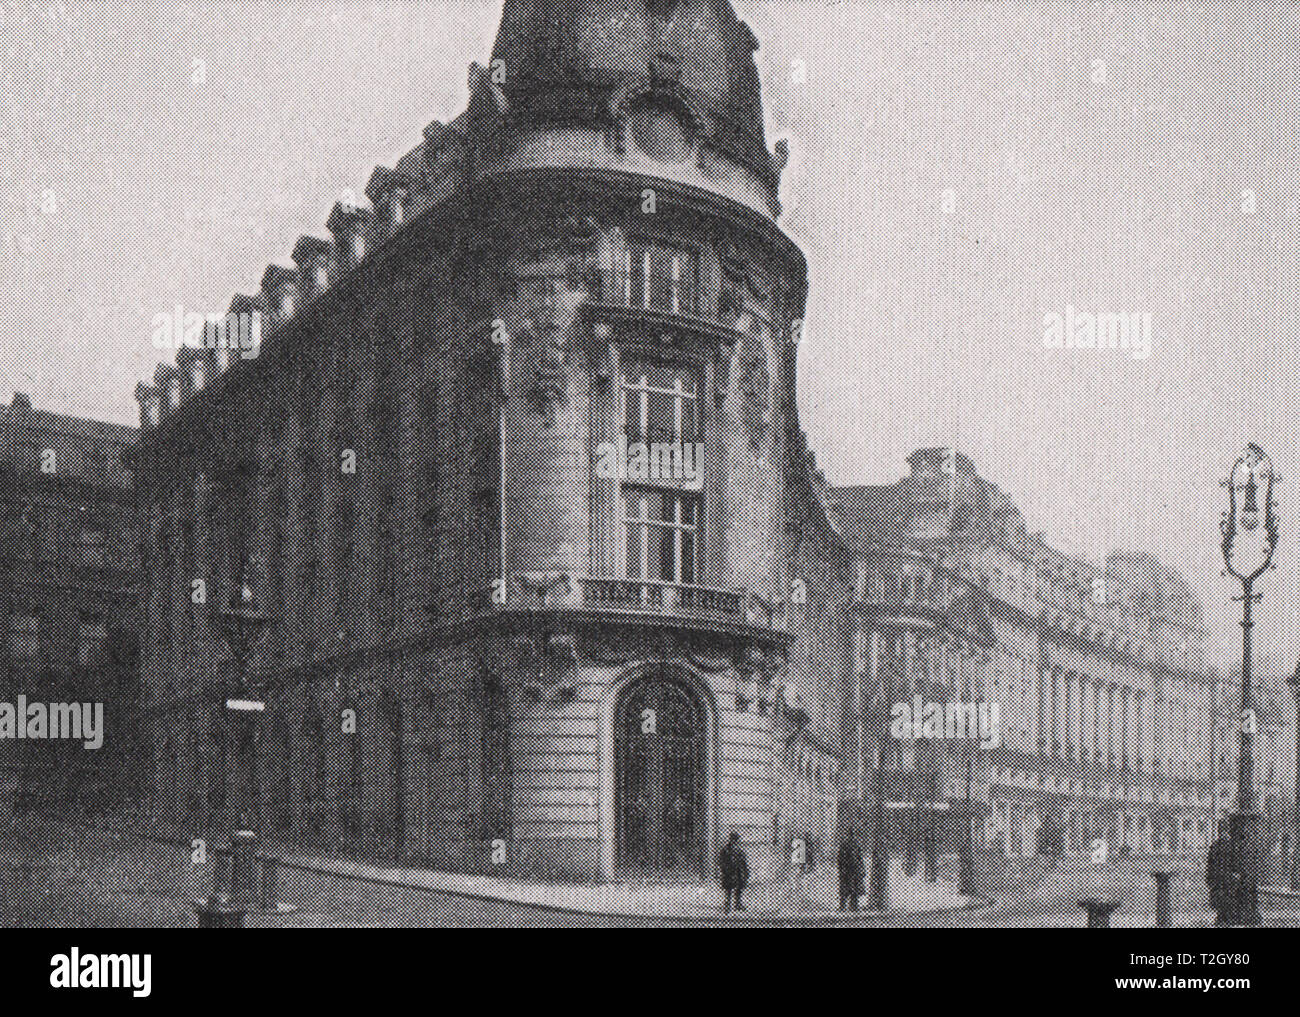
column 751, row 661
column 755, row 391
column 710, row 663
column 546, row 666
column 541, row 322
column 737, row 270
column 546, row 589
column 722, row 370
column 610, row 650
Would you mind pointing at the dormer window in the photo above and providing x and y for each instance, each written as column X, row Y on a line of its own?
column 397, row 207
column 173, row 393
column 147, row 397
column 196, row 375
column 358, row 247
column 321, row 276
column 286, row 302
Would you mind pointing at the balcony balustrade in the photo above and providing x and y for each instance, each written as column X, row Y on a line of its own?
column 631, row 597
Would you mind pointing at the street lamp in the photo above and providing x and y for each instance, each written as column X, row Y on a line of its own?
column 1249, row 530
column 1295, row 835
column 241, row 622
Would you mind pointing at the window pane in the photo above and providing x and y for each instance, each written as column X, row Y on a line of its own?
column 25, row 638
column 661, row 280
column 632, row 417
column 661, row 277
column 92, row 547
column 690, row 429
column 663, row 542
column 688, row 557
column 635, row 566
column 662, row 417
column 92, row 643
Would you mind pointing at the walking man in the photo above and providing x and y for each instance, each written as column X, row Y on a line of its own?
column 1220, row 878
column 733, row 865
column 852, row 871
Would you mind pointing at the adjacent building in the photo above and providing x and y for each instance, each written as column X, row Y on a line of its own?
column 1106, row 701
column 68, row 574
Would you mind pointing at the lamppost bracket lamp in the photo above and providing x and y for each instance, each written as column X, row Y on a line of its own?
column 1248, row 546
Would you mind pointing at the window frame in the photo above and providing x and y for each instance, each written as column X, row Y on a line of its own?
column 636, row 265
column 634, row 378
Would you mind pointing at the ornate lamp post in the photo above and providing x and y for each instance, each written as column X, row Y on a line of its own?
column 1249, row 537
column 241, row 622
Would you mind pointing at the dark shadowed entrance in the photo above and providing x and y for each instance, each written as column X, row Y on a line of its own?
column 660, row 752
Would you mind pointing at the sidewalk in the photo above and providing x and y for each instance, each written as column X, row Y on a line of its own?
column 815, row 901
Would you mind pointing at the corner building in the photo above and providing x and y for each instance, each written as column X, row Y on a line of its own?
column 586, row 667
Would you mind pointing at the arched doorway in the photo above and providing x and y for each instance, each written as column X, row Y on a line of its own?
column 660, row 756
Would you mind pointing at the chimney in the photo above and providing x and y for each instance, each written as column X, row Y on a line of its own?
column 147, row 397
column 388, row 191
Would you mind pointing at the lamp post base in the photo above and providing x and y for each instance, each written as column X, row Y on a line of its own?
column 243, row 869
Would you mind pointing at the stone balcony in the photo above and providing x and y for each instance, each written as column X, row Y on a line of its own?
column 701, row 606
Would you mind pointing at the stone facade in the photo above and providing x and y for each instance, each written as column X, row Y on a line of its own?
column 475, row 628
column 1106, row 699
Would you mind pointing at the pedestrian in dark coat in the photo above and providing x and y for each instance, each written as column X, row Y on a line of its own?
column 852, row 871
column 733, row 866
column 1221, row 879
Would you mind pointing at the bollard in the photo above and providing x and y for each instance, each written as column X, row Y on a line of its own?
column 270, row 883
column 221, row 882
column 1162, row 898
column 1099, row 912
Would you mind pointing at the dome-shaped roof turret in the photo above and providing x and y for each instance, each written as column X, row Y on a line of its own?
column 579, row 59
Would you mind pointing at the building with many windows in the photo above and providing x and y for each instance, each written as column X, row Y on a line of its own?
column 553, row 584
column 1106, row 700
column 513, row 467
column 68, row 573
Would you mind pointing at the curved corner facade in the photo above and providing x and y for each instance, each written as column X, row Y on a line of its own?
column 511, row 468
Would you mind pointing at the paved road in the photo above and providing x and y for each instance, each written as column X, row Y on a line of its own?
column 55, row 875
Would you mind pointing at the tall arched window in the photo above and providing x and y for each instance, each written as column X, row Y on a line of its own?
column 661, row 782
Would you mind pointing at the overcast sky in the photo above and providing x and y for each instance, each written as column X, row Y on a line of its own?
column 1126, row 158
